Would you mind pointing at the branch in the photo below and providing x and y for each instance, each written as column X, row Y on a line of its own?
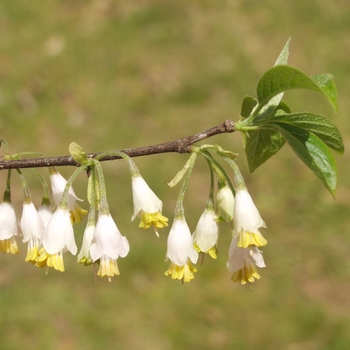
column 180, row 146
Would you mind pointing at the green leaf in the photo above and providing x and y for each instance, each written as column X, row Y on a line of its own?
column 312, row 151
column 270, row 110
column 316, row 124
column 260, row 145
column 282, row 78
column 284, row 107
column 283, row 56
column 326, row 83
column 271, row 106
column 248, row 104
column 178, row 177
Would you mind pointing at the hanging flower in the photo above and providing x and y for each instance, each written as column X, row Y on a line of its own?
column 84, row 255
column 147, row 206
column 224, row 204
column 58, row 184
column 45, row 212
column 206, row 235
column 243, row 262
column 108, row 245
column 180, row 252
column 8, row 229
column 247, row 221
column 58, row 237
column 32, row 228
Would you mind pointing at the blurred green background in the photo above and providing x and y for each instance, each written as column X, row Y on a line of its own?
column 119, row 74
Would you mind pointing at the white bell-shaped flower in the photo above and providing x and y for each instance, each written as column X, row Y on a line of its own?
column 32, row 228
column 8, row 229
column 243, row 262
column 225, row 204
column 206, row 235
column 147, row 206
column 58, row 237
column 108, row 245
column 45, row 212
column 181, row 252
column 84, row 254
column 58, row 184
column 247, row 221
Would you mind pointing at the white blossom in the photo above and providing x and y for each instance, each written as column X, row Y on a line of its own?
column 206, row 235
column 247, row 221
column 225, row 204
column 243, row 262
column 8, row 229
column 84, row 255
column 147, row 206
column 45, row 212
column 58, row 237
column 108, row 245
column 180, row 252
column 32, row 228
column 58, row 184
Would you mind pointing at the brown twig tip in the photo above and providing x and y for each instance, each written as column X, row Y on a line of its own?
column 230, row 125
column 183, row 145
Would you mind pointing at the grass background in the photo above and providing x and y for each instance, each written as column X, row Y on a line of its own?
column 118, row 74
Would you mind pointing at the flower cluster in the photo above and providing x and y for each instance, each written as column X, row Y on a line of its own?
column 49, row 233
column 244, row 254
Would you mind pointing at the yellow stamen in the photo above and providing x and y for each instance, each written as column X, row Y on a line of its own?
column 246, row 239
column 50, row 260
column 156, row 219
column 85, row 260
column 246, row 274
column 108, row 267
column 9, row 246
column 184, row 272
column 32, row 254
column 77, row 213
column 213, row 251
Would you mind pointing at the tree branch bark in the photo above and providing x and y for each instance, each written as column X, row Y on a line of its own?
column 179, row 146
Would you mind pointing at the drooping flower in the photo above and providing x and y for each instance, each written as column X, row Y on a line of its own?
column 58, row 184
column 32, row 228
column 45, row 212
column 206, row 235
column 84, row 255
column 108, row 245
column 147, row 206
column 58, row 237
column 243, row 262
column 180, row 252
column 225, row 204
column 8, row 229
column 247, row 221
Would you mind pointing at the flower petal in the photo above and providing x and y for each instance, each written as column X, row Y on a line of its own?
column 8, row 222
column 59, row 233
column 180, row 243
column 144, row 198
column 108, row 240
column 207, row 231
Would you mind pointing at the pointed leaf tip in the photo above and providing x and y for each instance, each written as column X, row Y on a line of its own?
column 282, row 78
